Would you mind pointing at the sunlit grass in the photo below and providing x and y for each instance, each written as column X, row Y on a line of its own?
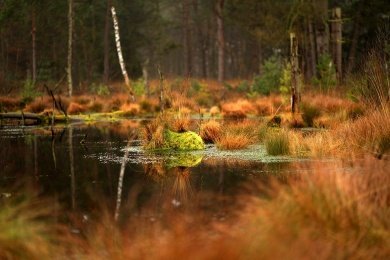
column 277, row 143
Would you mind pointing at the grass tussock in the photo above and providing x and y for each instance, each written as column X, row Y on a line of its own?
column 238, row 109
column 153, row 134
column 130, row 109
column 28, row 230
column 233, row 141
column 180, row 122
column 309, row 114
column 370, row 133
column 326, row 213
column 238, row 134
column 76, row 108
column 37, row 106
column 8, row 104
column 278, row 143
column 210, row 131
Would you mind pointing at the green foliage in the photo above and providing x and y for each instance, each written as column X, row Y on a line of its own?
column 269, row 81
column 277, row 144
column 139, row 87
column 196, row 86
column 29, row 92
column 327, row 73
column 243, row 87
column 100, row 89
column 285, row 80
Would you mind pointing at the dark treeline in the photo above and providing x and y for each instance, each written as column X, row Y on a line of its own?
column 221, row 39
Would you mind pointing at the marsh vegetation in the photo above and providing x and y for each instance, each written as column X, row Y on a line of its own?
column 254, row 146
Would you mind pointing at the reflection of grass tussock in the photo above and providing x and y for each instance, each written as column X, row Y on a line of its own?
column 182, row 189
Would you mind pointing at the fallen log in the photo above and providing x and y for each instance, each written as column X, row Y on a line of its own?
column 22, row 116
column 38, row 119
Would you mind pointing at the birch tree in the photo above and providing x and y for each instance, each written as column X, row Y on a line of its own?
column 119, row 50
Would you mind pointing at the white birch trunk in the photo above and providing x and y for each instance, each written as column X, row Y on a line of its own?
column 119, row 50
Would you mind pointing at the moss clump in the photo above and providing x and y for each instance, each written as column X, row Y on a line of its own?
column 182, row 141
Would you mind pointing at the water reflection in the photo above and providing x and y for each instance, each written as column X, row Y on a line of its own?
column 83, row 165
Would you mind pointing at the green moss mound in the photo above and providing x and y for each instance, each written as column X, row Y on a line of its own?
column 183, row 141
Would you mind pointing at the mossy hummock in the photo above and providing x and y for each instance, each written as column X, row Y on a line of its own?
column 182, row 141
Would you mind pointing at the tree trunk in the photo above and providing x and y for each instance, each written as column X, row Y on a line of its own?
column 119, row 50
column 313, row 58
column 187, row 38
column 106, row 42
column 145, row 75
column 355, row 38
column 337, row 42
column 33, row 38
column 220, row 39
column 294, row 72
column 322, row 29
column 70, row 49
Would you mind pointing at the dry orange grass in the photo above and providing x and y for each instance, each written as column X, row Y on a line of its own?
column 326, row 213
column 76, row 108
column 329, row 103
column 178, row 101
column 238, row 135
column 370, row 133
column 214, row 111
column 39, row 104
column 233, row 141
column 9, row 104
column 210, row 131
column 237, row 109
column 153, row 133
column 130, row 109
column 180, row 124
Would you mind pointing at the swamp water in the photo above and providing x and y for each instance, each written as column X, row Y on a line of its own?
column 88, row 167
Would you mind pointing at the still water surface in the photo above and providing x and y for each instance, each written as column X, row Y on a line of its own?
column 86, row 166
